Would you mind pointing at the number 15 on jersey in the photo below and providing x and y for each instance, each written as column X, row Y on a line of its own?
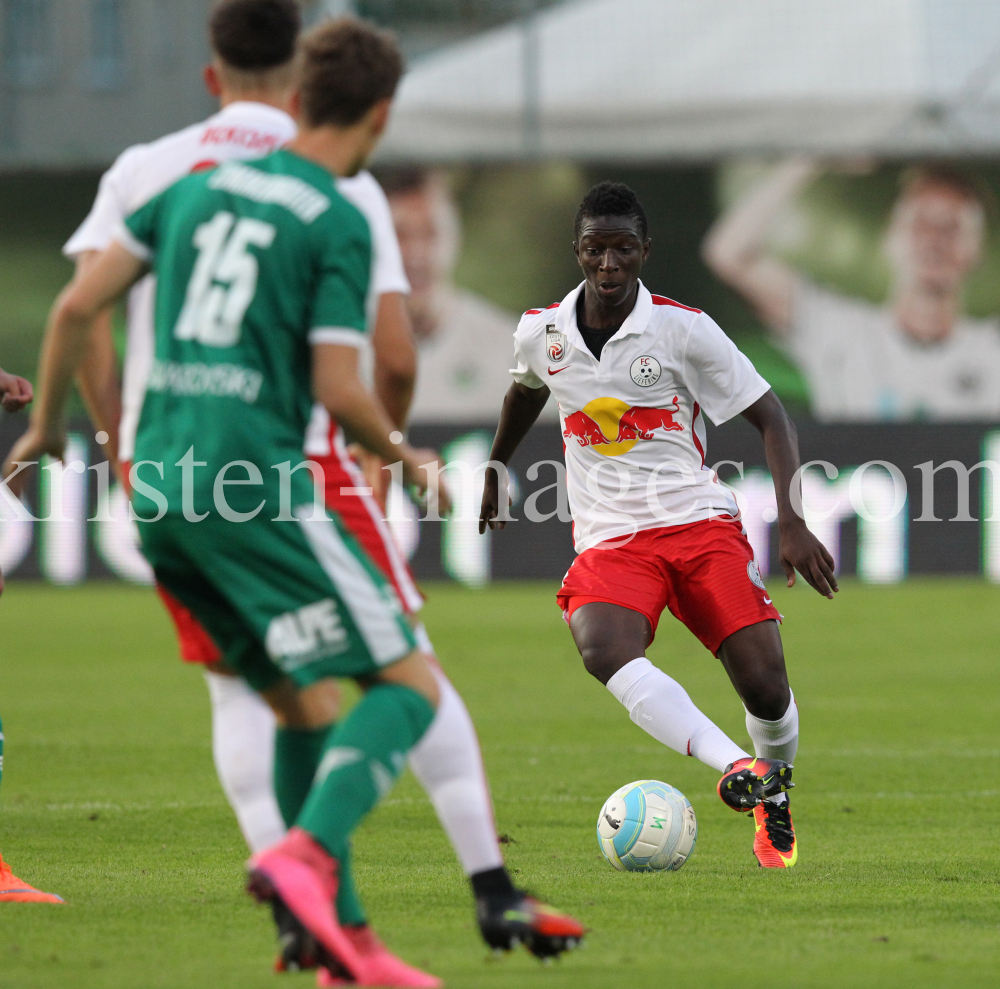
column 224, row 279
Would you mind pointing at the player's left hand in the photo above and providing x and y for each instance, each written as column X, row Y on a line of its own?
column 15, row 392
column 372, row 465
column 29, row 449
column 799, row 549
column 423, row 471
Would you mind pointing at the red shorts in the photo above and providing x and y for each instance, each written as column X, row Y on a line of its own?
column 197, row 646
column 704, row 572
column 347, row 495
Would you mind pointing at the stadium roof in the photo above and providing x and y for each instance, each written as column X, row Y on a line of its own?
column 661, row 80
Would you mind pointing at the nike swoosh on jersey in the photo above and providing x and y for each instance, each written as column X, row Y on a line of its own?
column 767, row 600
column 558, row 369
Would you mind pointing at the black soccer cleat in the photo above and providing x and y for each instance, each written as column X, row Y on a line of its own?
column 544, row 931
column 747, row 782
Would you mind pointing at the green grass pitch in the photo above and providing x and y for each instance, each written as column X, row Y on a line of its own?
column 109, row 797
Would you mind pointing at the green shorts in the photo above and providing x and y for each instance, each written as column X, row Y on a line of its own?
column 299, row 599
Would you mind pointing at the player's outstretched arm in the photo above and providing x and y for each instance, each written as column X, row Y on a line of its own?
column 521, row 407
column 65, row 342
column 798, row 548
column 736, row 246
column 338, row 388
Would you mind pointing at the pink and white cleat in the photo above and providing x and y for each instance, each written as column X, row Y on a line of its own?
column 385, row 968
column 301, row 875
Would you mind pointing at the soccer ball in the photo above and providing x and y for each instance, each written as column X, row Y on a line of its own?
column 647, row 826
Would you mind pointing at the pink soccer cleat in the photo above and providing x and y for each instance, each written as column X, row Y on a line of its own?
column 385, row 968
column 301, row 876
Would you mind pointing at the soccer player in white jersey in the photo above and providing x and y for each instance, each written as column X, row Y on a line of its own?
column 633, row 375
column 252, row 73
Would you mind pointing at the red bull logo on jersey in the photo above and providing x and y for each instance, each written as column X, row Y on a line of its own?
column 641, row 423
column 612, row 427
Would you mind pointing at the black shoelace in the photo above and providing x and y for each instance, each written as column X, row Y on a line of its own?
column 778, row 824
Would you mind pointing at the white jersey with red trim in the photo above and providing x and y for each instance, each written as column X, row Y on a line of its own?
column 240, row 131
column 632, row 421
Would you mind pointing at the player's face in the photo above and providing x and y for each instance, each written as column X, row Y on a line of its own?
column 936, row 238
column 611, row 253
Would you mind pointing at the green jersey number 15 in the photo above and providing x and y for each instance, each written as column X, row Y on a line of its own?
column 224, row 279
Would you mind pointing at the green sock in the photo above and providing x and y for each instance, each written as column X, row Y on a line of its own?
column 363, row 757
column 297, row 752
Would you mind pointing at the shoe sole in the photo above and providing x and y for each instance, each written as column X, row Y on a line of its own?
column 749, row 789
column 290, row 885
column 541, row 943
column 299, row 951
column 29, row 896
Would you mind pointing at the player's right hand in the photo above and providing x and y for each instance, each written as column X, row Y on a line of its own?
column 423, row 470
column 491, row 503
column 29, row 449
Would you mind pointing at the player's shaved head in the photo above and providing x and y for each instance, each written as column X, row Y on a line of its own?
column 347, row 67
column 255, row 36
column 612, row 199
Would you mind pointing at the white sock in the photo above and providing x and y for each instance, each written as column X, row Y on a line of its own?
column 661, row 706
column 448, row 764
column 243, row 747
column 776, row 739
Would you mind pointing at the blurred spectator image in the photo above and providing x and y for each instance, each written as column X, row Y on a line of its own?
column 465, row 343
column 918, row 355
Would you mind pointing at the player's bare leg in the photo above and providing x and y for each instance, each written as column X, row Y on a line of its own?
column 609, row 637
column 755, row 661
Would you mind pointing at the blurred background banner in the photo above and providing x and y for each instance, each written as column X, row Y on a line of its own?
column 821, row 178
column 888, row 501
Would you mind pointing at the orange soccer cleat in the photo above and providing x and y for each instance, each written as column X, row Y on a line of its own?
column 774, row 838
column 14, row 890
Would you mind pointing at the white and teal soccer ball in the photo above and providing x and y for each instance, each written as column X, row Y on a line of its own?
column 647, row 826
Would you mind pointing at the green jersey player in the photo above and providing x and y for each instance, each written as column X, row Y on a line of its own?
column 262, row 272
